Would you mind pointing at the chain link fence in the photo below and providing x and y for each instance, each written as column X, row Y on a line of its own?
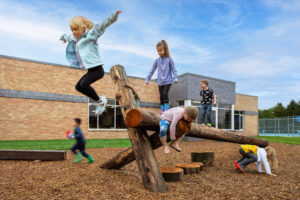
column 283, row 126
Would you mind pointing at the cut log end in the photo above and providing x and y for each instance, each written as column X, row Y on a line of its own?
column 172, row 174
column 189, row 168
column 133, row 118
column 207, row 158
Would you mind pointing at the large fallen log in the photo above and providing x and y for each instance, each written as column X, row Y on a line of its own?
column 43, row 155
column 143, row 119
column 141, row 146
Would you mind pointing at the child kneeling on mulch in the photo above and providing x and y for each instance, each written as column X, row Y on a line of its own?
column 253, row 153
column 171, row 118
column 80, row 143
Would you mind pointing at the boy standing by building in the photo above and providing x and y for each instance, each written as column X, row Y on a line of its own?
column 80, row 143
column 208, row 99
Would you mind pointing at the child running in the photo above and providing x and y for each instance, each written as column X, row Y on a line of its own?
column 253, row 153
column 80, row 143
column 171, row 118
column 82, row 51
column 166, row 71
column 207, row 100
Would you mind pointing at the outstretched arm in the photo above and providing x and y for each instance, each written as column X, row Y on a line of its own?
column 66, row 38
column 174, row 71
column 151, row 72
column 99, row 28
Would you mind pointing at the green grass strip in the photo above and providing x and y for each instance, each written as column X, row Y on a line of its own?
column 61, row 144
column 279, row 139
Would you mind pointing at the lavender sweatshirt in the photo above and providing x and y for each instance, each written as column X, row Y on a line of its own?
column 173, row 115
column 166, row 71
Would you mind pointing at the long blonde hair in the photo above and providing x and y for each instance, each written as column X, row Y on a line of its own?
column 272, row 157
column 81, row 23
column 164, row 44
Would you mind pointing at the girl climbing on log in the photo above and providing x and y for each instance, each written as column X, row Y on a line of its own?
column 253, row 153
column 171, row 118
column 82, row 52
column 167, row 73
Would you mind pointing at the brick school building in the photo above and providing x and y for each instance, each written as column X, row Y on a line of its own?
column 38, row 101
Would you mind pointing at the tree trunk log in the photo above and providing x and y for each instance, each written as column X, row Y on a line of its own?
column 172, row 174
column 149, row 121
column 189, row 168
column 201, row 131
column 200, row 164
column 141, row 146
column 207, row 158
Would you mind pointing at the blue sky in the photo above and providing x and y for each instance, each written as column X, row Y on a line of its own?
column 253, row 43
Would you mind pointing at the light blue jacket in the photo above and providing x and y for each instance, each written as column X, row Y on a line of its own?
column 87, row 45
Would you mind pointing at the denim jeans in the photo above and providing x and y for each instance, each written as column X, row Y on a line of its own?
column 206, row 111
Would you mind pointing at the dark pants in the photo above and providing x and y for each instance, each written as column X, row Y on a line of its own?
column 247, row 158
column 206, row 111
column 81, row 148
column 84, row 84
column 164, row 93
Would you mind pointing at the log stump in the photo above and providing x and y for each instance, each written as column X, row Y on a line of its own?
column 207, row 158
column 172, row 174
column 200, row 164
column 189, row 168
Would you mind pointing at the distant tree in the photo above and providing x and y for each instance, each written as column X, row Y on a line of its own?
column 266, row 113
column 279, row 110
column 293, row 108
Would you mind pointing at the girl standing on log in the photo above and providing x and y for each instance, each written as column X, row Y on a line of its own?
column 171, row 118
column 82, row 52
column 253, row 153
column 167, row 73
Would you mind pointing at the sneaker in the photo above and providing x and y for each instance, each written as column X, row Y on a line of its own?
column 202, row 124
column 101, row 106
column 208, row 124
column 90, row 159
column 175, row 146
column 239, row 167
column 78, row 158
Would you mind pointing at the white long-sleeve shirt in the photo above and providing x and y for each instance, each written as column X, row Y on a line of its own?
column 262, row 158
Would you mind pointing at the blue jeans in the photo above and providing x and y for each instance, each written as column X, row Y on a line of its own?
column 206, row 111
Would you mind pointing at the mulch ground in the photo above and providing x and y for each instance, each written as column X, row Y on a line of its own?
column 65, row 180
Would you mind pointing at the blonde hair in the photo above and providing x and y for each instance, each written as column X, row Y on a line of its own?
column 80, row 22
column 272, row 157
column 164, row 44
column 191, row 112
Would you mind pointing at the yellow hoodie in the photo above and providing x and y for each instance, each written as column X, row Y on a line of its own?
column 247, row 148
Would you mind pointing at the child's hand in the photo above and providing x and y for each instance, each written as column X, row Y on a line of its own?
column 119, row 12
column 64, row 41
column 214, row 104
column 176, row 82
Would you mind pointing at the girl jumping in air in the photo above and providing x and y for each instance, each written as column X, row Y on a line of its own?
column 166, row 75
column 253, row 153
column 82, row 52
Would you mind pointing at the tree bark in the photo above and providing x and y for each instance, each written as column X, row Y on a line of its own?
column 141, row 146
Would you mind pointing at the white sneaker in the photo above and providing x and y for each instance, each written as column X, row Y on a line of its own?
column 101, row 106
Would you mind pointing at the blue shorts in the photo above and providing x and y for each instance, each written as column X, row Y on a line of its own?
column 163, row 128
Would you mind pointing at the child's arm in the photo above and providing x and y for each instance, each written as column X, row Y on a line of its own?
column 266, row 165
column 215, row 100
column 174, row 71
column 99, row 28
column 173, row 127
column 66, row 38
column 151, row 72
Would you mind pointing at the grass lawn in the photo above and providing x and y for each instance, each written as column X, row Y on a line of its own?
column 288, row 140
column 61, row 144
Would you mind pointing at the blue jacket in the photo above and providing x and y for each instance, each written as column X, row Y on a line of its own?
column 79, row 135
column 87, row 44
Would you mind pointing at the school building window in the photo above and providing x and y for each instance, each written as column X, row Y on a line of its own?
column 224, row 116
column 238, row 120
column 111, row 119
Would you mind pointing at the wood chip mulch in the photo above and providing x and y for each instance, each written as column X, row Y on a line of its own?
column 65, row 180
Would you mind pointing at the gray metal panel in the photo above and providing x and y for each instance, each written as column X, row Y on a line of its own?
column 189, row 87
column 251, row 113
